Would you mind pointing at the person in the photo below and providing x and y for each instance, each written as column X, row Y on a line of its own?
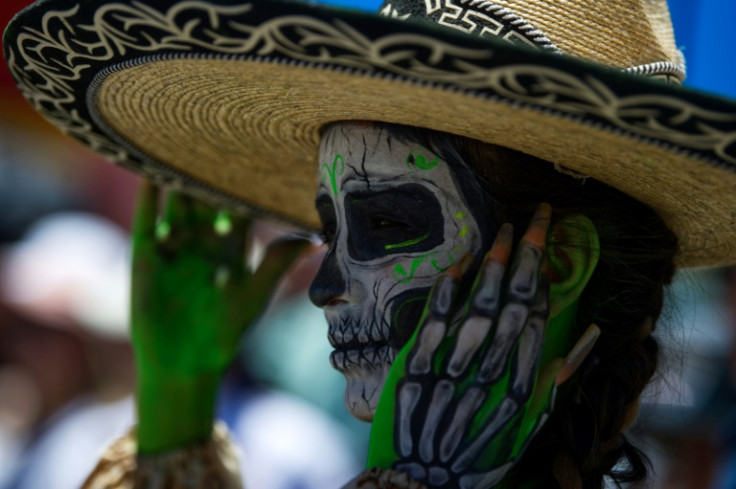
column 434, row 147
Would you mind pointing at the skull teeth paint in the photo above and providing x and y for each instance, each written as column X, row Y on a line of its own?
column 396, row 219
column 362, row 358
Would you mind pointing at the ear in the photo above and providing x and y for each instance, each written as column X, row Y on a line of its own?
column 573, row 254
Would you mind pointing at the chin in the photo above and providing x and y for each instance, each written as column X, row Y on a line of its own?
column 365, row 372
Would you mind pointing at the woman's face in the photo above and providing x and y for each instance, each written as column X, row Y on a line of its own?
column 394, row 219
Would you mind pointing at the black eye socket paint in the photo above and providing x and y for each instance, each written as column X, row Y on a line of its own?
column 326, row 211
column 404, row 219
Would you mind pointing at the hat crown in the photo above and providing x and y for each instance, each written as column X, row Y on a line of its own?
column 634, row 35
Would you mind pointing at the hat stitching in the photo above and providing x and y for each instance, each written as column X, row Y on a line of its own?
column 658, row 68
column 592, row 96
column 481, row 94
column 164, row 174
column 478, row 17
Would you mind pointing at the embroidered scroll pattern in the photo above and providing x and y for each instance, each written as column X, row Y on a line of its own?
column 49, row 58
column 477, row 17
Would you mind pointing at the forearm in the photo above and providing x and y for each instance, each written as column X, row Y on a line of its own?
column 174, row 411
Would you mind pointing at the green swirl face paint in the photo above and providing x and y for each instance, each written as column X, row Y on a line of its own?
column 422, row 159
column 334, row 171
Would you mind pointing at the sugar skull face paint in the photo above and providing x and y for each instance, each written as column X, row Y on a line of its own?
column 394, row 218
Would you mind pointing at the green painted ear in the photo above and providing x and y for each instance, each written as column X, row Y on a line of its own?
column 573, row 251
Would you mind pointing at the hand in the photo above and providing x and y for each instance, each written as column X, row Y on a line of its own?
column 192, row 299
column 462, row 401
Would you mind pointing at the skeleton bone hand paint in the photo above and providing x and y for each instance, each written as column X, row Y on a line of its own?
column 395, row 218
column 453, row 423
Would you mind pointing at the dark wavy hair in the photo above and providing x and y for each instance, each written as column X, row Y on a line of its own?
column 584, row 440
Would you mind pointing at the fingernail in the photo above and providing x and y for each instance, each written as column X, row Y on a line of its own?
column 458, row 269
column 163, row 229
column 465, row 262
column 537, row 232
column 501, row 249
column 454, row 272
column 223, row 225
column 579, row 353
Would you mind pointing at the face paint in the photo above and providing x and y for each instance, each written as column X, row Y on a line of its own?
column 395, row 220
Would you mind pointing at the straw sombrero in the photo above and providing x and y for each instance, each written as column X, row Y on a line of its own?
column 227, row 98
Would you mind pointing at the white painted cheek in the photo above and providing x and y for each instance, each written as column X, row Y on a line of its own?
column 462, row 233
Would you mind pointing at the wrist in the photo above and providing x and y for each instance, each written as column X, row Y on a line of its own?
column 174, row 410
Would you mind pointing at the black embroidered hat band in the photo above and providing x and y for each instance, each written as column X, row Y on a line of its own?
column 227, row 98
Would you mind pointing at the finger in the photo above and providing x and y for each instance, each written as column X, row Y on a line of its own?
column 407, row 399
column 525, row 366
column 441, row 398
column 510, row 324
column 230, row 232
column 540, row 406
column 177, row 209
column 279, row 257
column 174, row 218
column 522, row 291
column 530, row 345
column 578, row 354
column 486, row 298
column 239, row 226
column 146, row 209
column 507, row 409
column 529, row 257
column 434, row 322
column 464, row 413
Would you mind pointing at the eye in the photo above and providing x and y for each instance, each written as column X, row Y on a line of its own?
column 386, row 223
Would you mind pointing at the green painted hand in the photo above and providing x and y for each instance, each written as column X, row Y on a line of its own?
column 464, row 397
column 192, row 299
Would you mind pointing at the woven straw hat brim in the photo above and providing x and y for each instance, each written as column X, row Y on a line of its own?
column 227, row 100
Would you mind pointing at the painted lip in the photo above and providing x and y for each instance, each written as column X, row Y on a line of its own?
column 359, row 344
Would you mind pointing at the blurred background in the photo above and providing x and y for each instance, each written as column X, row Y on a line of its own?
column 66, row 373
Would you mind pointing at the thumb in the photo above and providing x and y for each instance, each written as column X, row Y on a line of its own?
column 279, row 257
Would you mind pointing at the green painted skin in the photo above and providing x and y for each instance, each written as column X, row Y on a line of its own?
column 559, row 339
column 192, row 298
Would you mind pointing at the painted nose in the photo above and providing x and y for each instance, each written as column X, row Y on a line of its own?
column 328, row 285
